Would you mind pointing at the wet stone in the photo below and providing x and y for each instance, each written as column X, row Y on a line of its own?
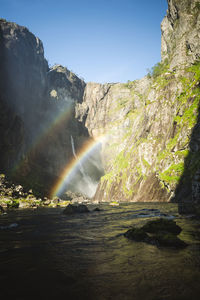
column 73, row 209
column 169, row 240
column 161, row 232
column 137, row 234
column 97, row 209
column 162, row 225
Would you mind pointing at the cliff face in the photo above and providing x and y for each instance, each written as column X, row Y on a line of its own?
column 37, row 116
column 180, row 28
column 137, row 120
column 149, row 128
column 18, row 94
column 150, row 124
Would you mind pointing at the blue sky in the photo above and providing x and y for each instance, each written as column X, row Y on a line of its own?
column 99, row 40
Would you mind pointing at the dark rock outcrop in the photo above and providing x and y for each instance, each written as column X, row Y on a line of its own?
column 75, row 209
column 162, row 225
column 160, row 232
column 137, row 234
column 169, row 240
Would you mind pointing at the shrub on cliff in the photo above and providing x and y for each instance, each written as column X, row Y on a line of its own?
column 158, row 69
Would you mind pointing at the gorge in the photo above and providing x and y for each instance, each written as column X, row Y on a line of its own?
column 146, row 130
column 130, row 151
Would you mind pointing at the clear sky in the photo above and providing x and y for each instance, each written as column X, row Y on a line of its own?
column 99, row 40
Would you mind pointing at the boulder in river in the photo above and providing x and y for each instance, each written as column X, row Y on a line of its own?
column 160, row 232
column 73, row 209
column 136, row 234
column 1, row 210
column 169, row 240
column 97, row 209
column 162, row 225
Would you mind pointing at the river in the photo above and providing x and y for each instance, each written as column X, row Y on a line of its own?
column 45, row 254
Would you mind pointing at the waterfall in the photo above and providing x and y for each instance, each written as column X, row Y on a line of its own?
column 74, row 153
column 87, row 185
column 73, row 148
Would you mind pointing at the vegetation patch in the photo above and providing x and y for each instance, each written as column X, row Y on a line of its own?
column 158, row 69
column 145, row 163
column 175, row 152
column 173, row 173
column 130, row 84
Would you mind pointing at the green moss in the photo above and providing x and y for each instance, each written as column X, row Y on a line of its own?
column 158, row 69
column 196, row 12
column 122, row 102
column 162, row 185
column 145, row 163
column 189, row 108
column 8, row 202
column 197, row 5
column 119, row 173
column 128, row 192
column 13, row 204
column 147, row 102
column 114, row 203
column 130, row 84
column 109, row 177
column 162, row 82
column 195, row 68
column 173, row 173
column 122, row 160
column 173, row 142
column 182, row 153
column 189, row 105
column 185, row 108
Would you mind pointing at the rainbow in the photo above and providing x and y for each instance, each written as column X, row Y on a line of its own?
column 52, row 125
column 72, row 167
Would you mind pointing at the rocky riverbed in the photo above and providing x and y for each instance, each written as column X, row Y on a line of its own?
column 14, row 196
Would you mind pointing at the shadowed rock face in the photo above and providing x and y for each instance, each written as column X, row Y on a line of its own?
column 37, row 115
column 23, row 68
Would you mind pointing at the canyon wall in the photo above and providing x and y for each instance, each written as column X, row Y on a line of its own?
column 180, row 33
column 151, row 148
column 149, row 128
column 37, row 121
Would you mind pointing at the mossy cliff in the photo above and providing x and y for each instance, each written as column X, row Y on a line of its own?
column 149, row 123
column 147, row 126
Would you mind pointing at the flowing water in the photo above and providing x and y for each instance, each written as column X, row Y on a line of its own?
column 45, row 254
column 86, row 185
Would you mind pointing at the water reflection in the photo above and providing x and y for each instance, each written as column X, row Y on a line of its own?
column 87, row 257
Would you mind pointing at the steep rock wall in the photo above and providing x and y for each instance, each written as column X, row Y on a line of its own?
column 148, row 127
column 148, row 124
column 37, row 116
column 180, row 42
